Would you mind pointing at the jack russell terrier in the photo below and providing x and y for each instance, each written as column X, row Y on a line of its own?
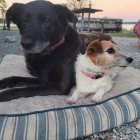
column 96, row 69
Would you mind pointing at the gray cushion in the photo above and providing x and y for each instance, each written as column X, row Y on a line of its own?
column 50, row 117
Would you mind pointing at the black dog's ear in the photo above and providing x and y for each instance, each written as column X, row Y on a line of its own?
column 65, row 14
column 14, row 13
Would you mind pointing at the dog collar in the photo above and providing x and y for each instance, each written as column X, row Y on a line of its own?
column 94, row 76
column 53, row 47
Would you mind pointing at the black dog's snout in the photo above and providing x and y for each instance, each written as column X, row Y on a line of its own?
column 27, row 44
column 129, row 59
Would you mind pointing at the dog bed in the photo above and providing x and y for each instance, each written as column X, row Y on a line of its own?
column 50, row 118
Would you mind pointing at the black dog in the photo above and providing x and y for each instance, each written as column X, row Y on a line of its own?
column 50, row 45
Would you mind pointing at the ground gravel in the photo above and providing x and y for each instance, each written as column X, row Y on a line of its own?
column 130, row 131
column 9, row 47
column 127, row 46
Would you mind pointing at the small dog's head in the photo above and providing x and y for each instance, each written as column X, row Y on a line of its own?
column 41, row 23
column 106, row 54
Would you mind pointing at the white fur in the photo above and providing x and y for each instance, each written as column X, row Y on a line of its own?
column 109, row 63
column 85, row 85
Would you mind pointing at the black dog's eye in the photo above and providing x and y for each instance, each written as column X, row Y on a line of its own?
column 111, row 51
column 26, row 17
column 46, row 19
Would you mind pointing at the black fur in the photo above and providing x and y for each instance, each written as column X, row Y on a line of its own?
column 42, row 23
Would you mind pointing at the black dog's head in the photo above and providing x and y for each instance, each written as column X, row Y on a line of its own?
column 41, row 23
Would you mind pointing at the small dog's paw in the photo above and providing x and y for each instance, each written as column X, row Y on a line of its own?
column 71, row 100
column 96, row 98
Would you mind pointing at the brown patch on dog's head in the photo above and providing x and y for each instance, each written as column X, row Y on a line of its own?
column 103, row 53
column 94, row 48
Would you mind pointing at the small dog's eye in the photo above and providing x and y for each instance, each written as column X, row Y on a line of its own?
column 111, row 51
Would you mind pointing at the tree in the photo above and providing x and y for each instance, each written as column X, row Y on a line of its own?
column 75, row 4
column 3, row 7
column 3, row 11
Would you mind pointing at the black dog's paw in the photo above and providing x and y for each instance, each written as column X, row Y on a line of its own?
column 5, row 83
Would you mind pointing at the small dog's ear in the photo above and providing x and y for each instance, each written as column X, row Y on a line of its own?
column 14, row 13
column 94, row 47
column 65, row 14
column 105, row 37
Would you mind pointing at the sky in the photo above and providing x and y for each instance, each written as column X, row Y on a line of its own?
column 128, row 10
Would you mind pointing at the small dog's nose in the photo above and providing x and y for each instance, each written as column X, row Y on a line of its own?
column 26, row 44
column 129, row 59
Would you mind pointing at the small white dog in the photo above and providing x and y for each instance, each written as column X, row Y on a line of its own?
column 96, row 69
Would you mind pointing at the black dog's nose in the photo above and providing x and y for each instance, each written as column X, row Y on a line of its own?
column 27, row 44
column 129, row 59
